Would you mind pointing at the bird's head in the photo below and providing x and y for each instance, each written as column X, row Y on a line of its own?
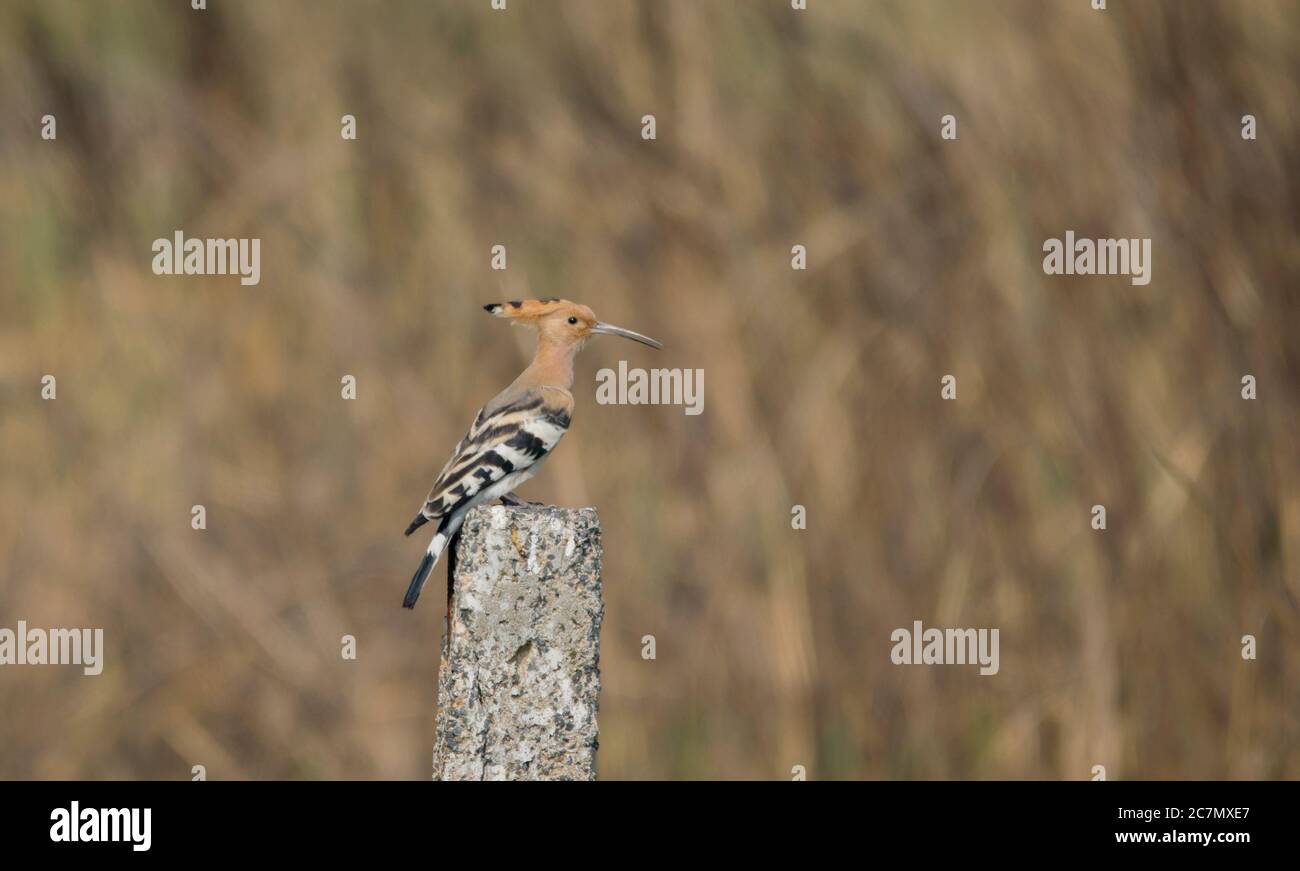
column 564, row 323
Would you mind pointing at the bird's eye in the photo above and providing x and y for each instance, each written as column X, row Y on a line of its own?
column 573, row 320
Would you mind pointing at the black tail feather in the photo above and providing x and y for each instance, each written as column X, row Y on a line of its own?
column 417, row 582
column 419, row 521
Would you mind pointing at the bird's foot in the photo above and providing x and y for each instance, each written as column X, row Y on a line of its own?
column 512, row 500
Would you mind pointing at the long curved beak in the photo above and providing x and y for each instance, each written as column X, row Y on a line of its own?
column 611, row 330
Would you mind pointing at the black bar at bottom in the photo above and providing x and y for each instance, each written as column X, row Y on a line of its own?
column 215, row 820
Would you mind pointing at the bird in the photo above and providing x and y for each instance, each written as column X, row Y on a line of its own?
column 517, row 429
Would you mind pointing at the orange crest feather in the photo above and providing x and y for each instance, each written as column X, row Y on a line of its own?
column 526, row 309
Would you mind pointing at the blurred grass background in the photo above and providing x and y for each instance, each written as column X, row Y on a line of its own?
column 822, row 387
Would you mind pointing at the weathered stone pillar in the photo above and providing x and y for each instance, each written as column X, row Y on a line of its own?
column 519, row 681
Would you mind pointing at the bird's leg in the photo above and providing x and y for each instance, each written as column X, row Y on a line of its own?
column 512, row 500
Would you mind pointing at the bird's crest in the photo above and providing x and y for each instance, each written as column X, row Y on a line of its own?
column 527, row 310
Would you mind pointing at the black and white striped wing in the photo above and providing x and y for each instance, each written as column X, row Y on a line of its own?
column 506, row 441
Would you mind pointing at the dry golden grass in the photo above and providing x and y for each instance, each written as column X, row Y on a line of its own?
column 822, row 387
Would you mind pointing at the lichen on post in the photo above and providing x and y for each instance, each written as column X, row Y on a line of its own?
column 519, row 682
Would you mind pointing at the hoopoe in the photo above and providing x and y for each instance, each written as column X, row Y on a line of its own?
column 516, row 430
